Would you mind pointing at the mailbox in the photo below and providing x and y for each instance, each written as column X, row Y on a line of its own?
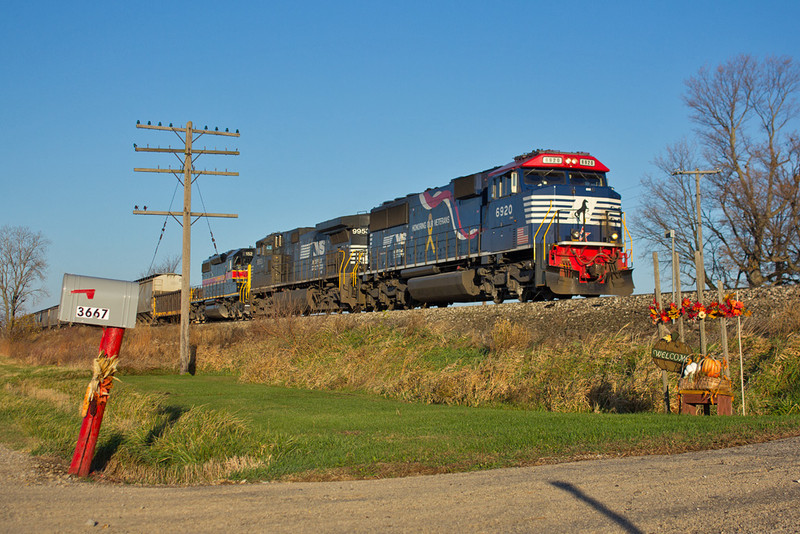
column 98, row 301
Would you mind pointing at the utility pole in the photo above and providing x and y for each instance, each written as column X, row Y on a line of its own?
column 700, row 264
column 190, row 174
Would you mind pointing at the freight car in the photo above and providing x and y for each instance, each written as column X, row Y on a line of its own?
column 152, row 306
column 544, row 226
column 47, row 318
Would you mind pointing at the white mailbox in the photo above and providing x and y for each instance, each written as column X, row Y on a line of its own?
column 98, row 301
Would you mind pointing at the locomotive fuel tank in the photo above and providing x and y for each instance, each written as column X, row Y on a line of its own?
column 458, row 286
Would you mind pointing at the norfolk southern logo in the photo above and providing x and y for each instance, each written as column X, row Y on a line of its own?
column 568, row 209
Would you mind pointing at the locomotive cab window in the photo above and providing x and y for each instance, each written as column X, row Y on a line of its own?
column 514, row 187
column 587, row 178
column 539, row 177
column 505, row 185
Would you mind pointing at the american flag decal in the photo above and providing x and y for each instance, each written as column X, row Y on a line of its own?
column 522, row 235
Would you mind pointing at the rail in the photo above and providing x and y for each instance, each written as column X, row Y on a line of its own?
column 410, row 251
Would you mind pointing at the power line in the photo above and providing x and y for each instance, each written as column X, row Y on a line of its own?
column 163, row 228
column 190, row 174
column 208, row 220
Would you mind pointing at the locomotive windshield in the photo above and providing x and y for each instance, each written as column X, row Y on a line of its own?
column 538, row 177
column 587, row 178
column 544, row 177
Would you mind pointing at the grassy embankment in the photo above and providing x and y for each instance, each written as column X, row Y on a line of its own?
column 323, row 398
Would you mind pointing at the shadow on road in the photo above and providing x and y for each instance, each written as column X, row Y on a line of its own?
column 597, row 505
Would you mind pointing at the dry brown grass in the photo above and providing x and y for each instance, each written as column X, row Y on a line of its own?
column 217, row 471
column 409, row 356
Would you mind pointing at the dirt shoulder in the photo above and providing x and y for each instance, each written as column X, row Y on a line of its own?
column 754, row 488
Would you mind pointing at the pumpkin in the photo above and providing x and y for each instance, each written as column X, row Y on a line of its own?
column 711, row 367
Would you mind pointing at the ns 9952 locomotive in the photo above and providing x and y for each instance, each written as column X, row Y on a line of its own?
column 544, row 226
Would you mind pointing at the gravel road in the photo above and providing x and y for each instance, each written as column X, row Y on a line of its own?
column 755, row 488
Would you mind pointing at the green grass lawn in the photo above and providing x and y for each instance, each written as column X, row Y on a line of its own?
column 352, row 434
column 196, row 429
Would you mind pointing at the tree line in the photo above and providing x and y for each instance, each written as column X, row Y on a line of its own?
column 745, row 112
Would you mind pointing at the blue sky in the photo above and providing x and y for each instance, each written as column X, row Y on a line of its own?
column 340, row 105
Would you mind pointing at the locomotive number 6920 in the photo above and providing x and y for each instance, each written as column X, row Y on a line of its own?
column 503, row 211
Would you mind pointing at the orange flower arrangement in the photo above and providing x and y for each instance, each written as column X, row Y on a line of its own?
column 694, row 311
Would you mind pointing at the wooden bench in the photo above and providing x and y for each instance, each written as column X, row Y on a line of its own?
column 692, row 401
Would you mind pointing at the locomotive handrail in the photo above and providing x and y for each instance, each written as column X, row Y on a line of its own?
column 244, row 290
column 345, row 260
column 628, row 251
column 356, row 266
column 556, row 214
column 411, row 251
column 539, row 228
column 544, row 236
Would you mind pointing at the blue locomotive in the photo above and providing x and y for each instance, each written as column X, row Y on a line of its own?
column 224, row 293
column 544, row 226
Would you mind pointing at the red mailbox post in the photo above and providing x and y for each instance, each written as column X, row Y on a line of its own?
column 95, row 403
column 111, row 304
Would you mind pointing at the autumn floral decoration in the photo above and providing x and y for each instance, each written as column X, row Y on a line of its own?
column 693, row 310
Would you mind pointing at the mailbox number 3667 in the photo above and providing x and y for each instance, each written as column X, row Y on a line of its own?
column 92, row 313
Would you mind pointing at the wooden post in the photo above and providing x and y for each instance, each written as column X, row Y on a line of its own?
column 661, row 328
column 187, row 172
column 186, row 252
column 741, row 359
column 700, row 271
column 723, row 329
column 678, row 294
column 90, row 428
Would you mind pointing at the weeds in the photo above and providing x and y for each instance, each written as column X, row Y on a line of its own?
column 406, row 356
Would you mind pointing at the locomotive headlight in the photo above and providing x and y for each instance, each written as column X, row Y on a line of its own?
column 614, row 236
column 575, row 235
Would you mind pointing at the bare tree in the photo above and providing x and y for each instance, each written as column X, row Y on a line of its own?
column 170, row 264
column 744, row 110
column 22, row 270
column 670, row 204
